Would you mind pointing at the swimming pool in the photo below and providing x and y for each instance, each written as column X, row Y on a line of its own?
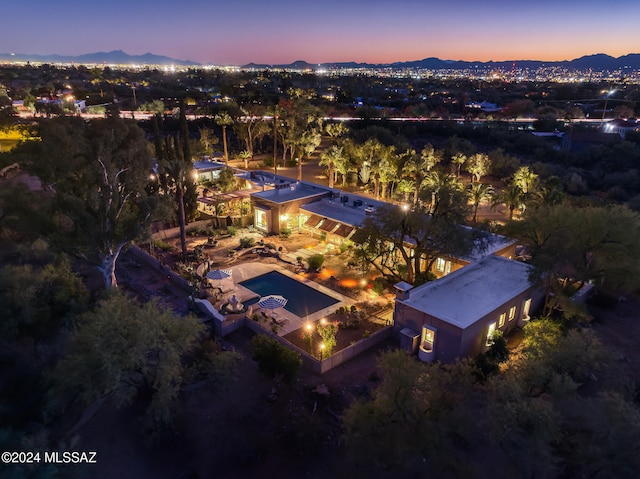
column 302, row 299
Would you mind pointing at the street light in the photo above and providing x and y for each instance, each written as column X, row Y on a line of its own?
column 606, row 100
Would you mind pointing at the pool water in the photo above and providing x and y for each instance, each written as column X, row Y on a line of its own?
column 302, row 300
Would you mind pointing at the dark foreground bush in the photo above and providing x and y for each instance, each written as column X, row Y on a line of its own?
column 275, row 359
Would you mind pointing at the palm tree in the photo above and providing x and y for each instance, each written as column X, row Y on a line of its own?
column 329, row 158
column 478, row 166
column 406, row 186
column 223, row 119
column 459, row 159
column 512, row 196
column 526, row 179
column 437, row 182
column 479, row 192
column 246, row 156
column 417, row 167
column 343, row 167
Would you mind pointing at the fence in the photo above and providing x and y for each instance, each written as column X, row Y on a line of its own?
column 322, row 366
column 237, row 221
column 233, row 322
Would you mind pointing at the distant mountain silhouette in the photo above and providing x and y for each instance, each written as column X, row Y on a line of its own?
column 598, row 62
column 115, row 57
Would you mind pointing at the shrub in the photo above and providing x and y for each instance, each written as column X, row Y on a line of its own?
column 232, row 230
column 247, row 242
column 162, row 245
column 285, row 232
column 328, row 334
column 345, row 246
column 315, row 261
column 275, row 359
column 378, row 285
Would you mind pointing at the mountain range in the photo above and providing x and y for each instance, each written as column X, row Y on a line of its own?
column 597, row 62
column 115, row 57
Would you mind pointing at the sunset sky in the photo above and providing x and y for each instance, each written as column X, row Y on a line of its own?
column 282, row 31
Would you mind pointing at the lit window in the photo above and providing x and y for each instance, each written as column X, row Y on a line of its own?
column 261, row 219
column 428, row 338
column 525, row 309
column 440, row 264
column 512, row 313
column 490, row 331
column 503, row 317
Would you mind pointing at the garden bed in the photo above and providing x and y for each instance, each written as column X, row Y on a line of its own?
column 352, row 327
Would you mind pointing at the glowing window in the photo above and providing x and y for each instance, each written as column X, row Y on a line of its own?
column 440, row 264
column 490, row 331
column 512, row 313
column 428, row 338
column 261, row 219
column 502, row 319
column 525, row 309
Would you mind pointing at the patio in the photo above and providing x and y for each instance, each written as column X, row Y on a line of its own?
column 285, row 321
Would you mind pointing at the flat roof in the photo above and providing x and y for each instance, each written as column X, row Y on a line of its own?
column 470, row 293
column 290, row 192
column 342, row 212
column 208, row 165
column 494, row 243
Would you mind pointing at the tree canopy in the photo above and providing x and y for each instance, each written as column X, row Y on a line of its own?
column 571, row 246
column 98, row 172
column 121, row 348
column 402, row 242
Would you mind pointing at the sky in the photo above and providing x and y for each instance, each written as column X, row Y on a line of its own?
column 237, row 32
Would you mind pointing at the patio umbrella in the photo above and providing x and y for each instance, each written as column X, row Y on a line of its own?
column 272, row 302
column 218, row 275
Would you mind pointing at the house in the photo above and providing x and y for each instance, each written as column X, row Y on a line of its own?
column 483, row 106
column 456, row 316
column 337, row 215
column 277, row 207
column 334, row 215
column 207, row 172
column 492, row 244
column 621, row 127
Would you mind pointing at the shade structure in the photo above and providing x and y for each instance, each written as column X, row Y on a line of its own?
column 218, row 274
column 272, row 302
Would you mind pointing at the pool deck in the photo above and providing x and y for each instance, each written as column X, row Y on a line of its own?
column 290, row 322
